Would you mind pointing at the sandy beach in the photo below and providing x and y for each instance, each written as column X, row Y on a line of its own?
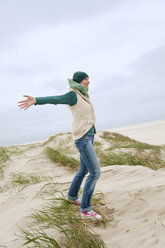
column 136, row 193
column 149, row 132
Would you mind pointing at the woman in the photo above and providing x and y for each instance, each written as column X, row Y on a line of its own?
column 83, row 129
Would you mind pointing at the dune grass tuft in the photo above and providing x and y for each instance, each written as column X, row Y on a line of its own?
column 4, row 154
column 138, row 153
column 59, row 225
column 116, row 137
column 130, row 159
column 120, row 141
column 21, row 179
column 48, row 140
column 4, row 157
column 61, row 159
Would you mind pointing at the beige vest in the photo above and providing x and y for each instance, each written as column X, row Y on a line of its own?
column 83, row 115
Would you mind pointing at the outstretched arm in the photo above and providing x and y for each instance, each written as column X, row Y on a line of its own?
column 27, row 103
column 69, row 98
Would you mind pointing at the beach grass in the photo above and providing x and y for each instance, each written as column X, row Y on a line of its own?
column 61, row 158
column 120, row 141
column 23, row 179
column 4, row 154
column 48, row 140
column 116, row 137
column 120, row 150
column 59, row 224
column 4, row 157
column 97, row 144
column 137, row 153
column 129, row 159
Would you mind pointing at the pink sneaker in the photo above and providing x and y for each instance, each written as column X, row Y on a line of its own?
column 91, row 215
column 77, row 202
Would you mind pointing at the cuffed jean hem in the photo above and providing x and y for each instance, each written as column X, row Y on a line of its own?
column 72, row 198
column 85, row 209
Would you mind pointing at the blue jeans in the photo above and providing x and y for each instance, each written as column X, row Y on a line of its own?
column 88, row 163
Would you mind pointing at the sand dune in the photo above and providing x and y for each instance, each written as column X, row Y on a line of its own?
column 149, row 132
column 136, row 193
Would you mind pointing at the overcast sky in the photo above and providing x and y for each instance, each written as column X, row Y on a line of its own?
column 120, row 44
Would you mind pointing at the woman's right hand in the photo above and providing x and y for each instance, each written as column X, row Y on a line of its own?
column 25, row 104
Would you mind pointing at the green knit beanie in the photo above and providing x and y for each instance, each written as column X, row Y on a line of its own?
column 79, row 76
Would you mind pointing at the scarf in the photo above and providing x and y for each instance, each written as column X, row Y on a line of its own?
column 83, row 90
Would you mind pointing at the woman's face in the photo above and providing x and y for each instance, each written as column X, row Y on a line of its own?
column 85, row 82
